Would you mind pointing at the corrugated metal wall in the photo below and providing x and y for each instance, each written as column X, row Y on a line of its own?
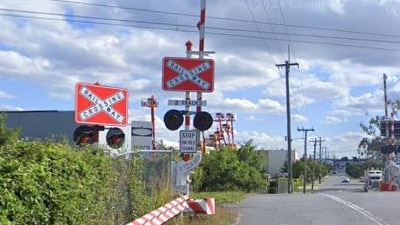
column 43, row 124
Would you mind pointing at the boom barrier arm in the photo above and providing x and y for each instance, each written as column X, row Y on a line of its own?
column 164, row 213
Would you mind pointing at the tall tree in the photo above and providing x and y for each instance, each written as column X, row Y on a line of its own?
column 369, row 147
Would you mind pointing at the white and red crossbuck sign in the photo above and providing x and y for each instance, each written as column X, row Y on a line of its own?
column 101, row 105
column 187, row 74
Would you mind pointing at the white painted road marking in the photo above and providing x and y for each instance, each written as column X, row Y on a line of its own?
column 359, row 209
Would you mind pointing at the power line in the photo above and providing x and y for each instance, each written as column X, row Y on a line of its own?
column 272, row 28
column 304, row 103
column 210, row 27
column 232, row 19
column 258, row 29
column 175, row 28
column 284, row 22
column 126, row 8
column 91, row 18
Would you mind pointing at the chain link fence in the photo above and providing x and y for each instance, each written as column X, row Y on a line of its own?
column 142, row 175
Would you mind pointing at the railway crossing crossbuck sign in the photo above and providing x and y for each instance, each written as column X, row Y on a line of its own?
column 187, row 74
column 102, row 105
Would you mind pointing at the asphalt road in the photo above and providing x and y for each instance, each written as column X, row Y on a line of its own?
column 333, row 203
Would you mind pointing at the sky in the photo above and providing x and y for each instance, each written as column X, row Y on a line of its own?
column 342, row 47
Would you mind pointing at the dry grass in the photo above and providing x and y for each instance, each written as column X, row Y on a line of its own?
column 223, row 216
column 225, row 212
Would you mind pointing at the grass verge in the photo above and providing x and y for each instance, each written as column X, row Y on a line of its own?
column 225, row 213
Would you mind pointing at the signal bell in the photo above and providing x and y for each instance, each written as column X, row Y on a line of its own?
column 115, row 138
column 173, row 119
column 202, row 121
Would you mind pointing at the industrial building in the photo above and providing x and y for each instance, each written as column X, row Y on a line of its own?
column 61, row 125
column 274, row 160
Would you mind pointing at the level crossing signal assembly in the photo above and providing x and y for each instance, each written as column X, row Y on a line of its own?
column 390, row 148
column 88, row 135
column 173, row 119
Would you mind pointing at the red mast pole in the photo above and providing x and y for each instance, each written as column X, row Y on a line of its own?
column 201, row 26
column 187, row 93
column 152, row 106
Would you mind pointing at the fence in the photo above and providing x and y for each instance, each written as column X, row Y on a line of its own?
column 145, row 174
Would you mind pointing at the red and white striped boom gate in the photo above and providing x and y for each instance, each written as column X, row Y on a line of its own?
column 175, row 207
column 201, row 206
column 162, row 214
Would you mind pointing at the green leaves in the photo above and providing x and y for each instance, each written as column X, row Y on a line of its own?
column 7, row 136
column 230, row 170
column 45, row 183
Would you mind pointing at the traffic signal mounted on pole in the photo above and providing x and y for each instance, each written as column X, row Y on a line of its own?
column 387, row 149
column 203, row 121
column 87, row 135
column 396, row 125
column 173, row 119
column 115, row 138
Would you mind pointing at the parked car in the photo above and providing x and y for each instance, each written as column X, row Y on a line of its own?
column 345, row 180
column 362, row 179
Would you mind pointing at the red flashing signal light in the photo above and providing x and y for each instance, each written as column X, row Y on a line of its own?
column 115, row 138
column 86, row 135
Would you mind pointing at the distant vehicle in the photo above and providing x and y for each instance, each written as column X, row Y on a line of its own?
column 345, row 180
column 372, row 179
column 362, row 179
column 334, row 172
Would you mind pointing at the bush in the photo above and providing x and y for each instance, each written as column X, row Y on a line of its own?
column 54, row 184
column 47, row 183
column 230, row 170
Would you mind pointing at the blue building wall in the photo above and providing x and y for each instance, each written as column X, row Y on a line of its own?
column 43, row 124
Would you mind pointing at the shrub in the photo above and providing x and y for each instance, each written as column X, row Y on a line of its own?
column 230, row 170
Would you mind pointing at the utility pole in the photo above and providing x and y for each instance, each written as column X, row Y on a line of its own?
column 313, row 168
column 320, row 159
column 388, row 141
column 305, row 155
column 287, row 66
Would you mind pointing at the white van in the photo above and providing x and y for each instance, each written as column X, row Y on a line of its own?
column 372, row 179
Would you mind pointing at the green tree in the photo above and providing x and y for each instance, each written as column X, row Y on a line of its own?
column 7, row 136
column 369, row 147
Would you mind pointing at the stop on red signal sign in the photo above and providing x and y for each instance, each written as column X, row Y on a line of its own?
column 102, row 105
column 187, row 74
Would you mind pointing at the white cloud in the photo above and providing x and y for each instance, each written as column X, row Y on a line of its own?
column 15, row 63
column 240, row 104
column 269, row 105
column 299, row 118
column 338, row 6
column 332, row 120
column 6, row 95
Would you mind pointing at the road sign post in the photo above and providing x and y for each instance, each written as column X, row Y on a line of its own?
column 188, row 141
column 187, row 102
column 187, row 74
